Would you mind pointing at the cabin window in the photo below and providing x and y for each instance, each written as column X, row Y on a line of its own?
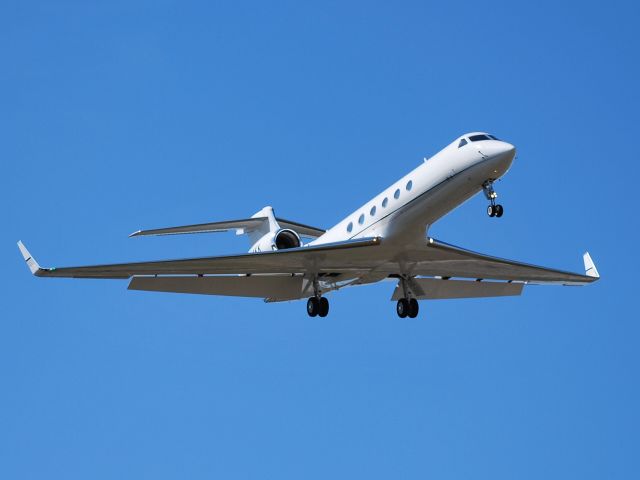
column 350, row 227
column 396, row 195
column 373, row 211
column 462, row 143
column 385, row 202
column 409, row 185
column 361, row 219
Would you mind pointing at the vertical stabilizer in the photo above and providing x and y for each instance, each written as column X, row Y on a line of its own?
column 270, row 224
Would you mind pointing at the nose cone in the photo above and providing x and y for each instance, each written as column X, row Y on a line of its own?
column 497, row 148
column 499, row 156
column 508, row 150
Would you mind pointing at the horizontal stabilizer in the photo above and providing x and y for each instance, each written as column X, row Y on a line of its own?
column 273, row 287
column 434, row 288
column 246, row 224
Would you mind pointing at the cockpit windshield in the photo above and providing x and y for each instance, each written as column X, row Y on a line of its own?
column 478, row 138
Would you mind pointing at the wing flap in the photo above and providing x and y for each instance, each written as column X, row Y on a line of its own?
column 274, row 287
column 433, row 288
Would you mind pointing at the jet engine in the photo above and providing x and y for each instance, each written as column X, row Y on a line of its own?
column 280, row 240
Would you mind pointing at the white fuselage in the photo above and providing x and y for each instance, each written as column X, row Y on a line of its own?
column 404, row 211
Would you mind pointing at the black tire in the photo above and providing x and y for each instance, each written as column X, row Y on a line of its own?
column 402, row 308
column 491, row 211
column 313, row 307
column 499, row 211
column 324, row 307
column 414, row 308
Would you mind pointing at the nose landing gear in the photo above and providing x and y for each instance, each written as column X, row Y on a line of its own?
column 493, row 210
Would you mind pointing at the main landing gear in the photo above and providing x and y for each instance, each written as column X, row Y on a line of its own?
column 318, row 306
column 493, row 210
column 407, row 307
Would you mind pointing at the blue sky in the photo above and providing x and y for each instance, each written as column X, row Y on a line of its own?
column 122, row 115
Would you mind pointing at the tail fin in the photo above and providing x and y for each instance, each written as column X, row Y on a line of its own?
column 269, row 224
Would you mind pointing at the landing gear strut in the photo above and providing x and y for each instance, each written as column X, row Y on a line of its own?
column 493, row 210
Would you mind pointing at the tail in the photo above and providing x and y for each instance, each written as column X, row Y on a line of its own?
column 268, row 224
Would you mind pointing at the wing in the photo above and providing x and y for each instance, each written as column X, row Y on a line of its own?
column 444, row 260
column 367, row 257
column 350, row 255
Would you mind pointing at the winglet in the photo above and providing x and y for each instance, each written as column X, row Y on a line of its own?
column 590, row 267
column 31, row 262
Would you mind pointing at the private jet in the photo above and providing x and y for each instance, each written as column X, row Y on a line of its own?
column 386, row 238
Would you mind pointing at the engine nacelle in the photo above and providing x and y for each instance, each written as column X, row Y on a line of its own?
column 280, row 240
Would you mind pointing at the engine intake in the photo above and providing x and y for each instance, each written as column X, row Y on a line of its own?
column 286, row 238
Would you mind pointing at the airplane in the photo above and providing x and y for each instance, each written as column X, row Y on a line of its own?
column 386, row 238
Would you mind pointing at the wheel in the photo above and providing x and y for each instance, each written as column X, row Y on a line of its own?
column 499, row 211
column 324, row 307
column 491, row 211
column 313, row 306
column 414, row 308
column 402, row 308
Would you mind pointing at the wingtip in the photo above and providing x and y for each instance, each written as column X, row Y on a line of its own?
column 31, row 262
column 590, row 266
column 135, row 234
